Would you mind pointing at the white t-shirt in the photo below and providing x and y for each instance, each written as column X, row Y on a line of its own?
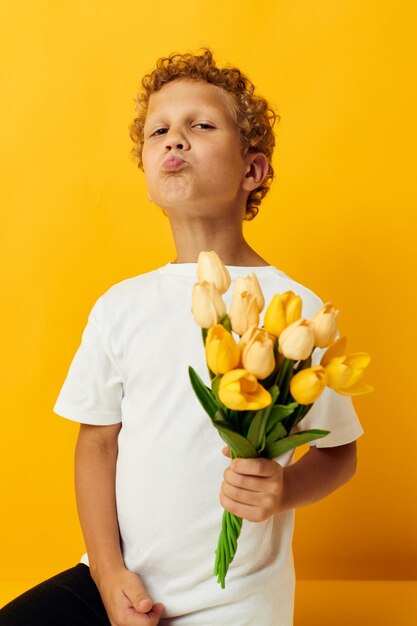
column 132, row 367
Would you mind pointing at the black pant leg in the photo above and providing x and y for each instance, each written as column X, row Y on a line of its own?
column 69, row 598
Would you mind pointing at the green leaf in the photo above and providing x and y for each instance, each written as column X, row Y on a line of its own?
column 274, row 391
column 239, row 444
column 219, row 416
column 233, row 419
column 246, row 420
column 203, row 393
column 261, row 443
column 257, row 427
column 299, row 415
column 292, row 441
column 256, row 432
column 277, row 433
column 278, row 413
column 215, row 383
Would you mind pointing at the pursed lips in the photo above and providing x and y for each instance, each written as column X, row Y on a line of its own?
column 173, row 163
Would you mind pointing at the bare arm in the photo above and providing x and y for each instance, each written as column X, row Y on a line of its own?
column 95, row 470
column 124, row 596
column 316, row 474
column 256, row 488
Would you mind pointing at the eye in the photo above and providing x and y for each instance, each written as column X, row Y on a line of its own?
column 157, row 131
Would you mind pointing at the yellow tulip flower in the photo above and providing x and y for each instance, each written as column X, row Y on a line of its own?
column 239, row 390
column 325, row 325
column 207, row 304
column 244, row 312
column 308, row 384
column 338, row 348
column 222, row 352
column 283, row 310
column 210, row 268
column 250, row 284
column 296, row 341
column 343, row 373
column 257, row 348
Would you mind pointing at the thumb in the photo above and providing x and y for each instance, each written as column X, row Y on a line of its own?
column 226, row 451
column 140, row 600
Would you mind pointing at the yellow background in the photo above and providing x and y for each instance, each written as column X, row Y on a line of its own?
column 340, row 218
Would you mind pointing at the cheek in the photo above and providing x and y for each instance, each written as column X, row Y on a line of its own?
column 227, row 154
column 144, row 157
column 147, row 163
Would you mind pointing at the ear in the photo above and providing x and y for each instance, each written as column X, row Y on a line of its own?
column 149, row 197
column 257, row 165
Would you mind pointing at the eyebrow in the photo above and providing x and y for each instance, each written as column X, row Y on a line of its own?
column 209, row 109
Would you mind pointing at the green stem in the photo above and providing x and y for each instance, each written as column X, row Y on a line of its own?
column 225, row 321
column 226, row 545
column 282, row 381
column 227, row 542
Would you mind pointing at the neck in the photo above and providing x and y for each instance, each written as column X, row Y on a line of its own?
column 225, row 238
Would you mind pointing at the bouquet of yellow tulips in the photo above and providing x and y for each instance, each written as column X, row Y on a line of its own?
column 263, row 386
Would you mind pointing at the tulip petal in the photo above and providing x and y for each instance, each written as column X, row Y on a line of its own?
column 248, row 385
column 257, row 291
column 339, row 375
column 324, row 322
column 356, row 389
column 258, row 352
column 344, row 371
column 338, row 348
column 293, row 309
column 244, row 312
column 274, row 318
column 358, row 360
column 307, row 385
column 222, row 351
column 240, row 391
column 210, row 268
column 297, row 340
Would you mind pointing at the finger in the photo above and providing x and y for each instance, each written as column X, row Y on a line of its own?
column 157, row 610
column 255, row 466
column 226, row 451
column 135, row 592
column 245, row 481
column 152, row 618
column 245, row 511
column 133, row 618
column 242, row 496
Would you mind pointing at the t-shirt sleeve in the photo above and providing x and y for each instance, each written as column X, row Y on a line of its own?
column 333, row 412
column 93, row 388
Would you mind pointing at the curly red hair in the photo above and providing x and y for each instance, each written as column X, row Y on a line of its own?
column 252, row 113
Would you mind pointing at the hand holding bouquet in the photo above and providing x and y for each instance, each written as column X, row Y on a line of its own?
column 263, row 386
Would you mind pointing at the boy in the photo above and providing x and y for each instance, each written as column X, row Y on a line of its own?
column 148, row 467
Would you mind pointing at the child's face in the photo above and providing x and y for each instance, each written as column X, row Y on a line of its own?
column 191, row 119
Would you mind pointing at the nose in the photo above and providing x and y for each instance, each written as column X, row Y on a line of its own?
column 176, row 139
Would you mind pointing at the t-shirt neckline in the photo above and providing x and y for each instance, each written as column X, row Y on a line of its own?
column 190, row 269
